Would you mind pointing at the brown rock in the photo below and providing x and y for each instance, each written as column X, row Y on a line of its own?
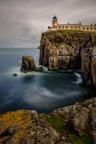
column 61, row 49
column 29, row 127
column 28, row 63
column 88, row 65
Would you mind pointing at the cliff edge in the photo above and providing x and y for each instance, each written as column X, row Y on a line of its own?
column 61, row 50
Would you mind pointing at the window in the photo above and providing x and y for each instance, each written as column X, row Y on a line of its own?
column 72, row 27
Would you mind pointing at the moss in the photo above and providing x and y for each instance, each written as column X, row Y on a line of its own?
column 70, row 32
column 56, row 122
column 59, row 35
column 85, row 139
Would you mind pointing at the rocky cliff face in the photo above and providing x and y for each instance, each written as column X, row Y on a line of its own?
column 88, row 65
column 61, row 50
column 74, row 124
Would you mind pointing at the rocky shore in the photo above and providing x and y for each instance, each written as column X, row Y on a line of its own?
column 61, row 50
column 74, row 124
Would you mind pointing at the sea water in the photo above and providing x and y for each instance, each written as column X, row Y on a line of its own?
column 40, row 91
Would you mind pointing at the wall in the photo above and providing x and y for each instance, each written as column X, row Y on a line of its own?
column 79, row 27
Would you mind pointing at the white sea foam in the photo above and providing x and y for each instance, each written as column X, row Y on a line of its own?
column 79, row 79
column 41, row 96
column 16, row 70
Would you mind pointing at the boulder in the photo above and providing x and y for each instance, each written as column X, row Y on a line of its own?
column 15, row 74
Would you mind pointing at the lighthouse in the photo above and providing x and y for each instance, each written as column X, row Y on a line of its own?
column 54, row 22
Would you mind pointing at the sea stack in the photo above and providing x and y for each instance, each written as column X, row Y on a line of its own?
column 28, row 64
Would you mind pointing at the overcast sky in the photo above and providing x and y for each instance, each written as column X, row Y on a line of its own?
column 23, row 21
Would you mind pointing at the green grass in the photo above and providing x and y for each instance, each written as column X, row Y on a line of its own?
column 71, row 32
column 85, row 139
column 57, row 123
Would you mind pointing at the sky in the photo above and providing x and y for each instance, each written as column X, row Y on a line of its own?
column 23, row 21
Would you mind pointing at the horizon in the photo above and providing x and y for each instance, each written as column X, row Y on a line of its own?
column 22, row 22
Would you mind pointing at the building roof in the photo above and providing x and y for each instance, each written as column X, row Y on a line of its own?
column 55, row 17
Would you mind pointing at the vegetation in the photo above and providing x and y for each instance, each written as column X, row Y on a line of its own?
column 57, row 123
column 69, row 37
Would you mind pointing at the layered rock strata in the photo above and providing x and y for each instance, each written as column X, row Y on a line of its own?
column 61, row 50
column 88, row 65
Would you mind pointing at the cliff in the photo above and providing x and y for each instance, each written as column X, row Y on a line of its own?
column 74, row 124
column 88, row 65
column 60, row 50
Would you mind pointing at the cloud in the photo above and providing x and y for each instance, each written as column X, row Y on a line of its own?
column 23, row 21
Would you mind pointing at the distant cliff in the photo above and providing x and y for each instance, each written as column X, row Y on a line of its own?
column 60, row 50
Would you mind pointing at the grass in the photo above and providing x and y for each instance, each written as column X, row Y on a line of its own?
column 85, row 139
column 57, row 123
column 71, row 32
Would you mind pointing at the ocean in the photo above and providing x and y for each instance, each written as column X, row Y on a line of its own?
column 40, row 91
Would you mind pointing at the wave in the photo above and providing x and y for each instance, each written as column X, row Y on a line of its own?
column 79, row 79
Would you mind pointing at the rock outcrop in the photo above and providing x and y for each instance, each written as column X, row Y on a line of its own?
column 69, row 125
column 28, row 64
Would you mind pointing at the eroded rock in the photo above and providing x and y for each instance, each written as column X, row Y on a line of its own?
column 61, row 49
column 28, row 65
column 57, row 127
column 88, row 65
